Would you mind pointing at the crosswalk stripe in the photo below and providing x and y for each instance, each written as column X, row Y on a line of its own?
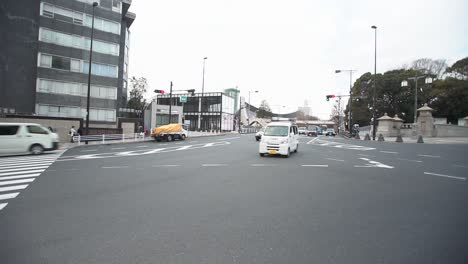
column 29, row 158
column 26, row 162
column 19, row 176
column 25, row 165
column 2, row 205
column 16, row 181
column 20, row 172
column 8, row 196
column 24, row 169
column 13, row 188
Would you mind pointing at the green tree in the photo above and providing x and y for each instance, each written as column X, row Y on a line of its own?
column 137, row 92
column 264, row 111
column 459, row 69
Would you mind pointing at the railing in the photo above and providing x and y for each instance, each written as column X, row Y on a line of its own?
column 249, row 130
column 108, row 137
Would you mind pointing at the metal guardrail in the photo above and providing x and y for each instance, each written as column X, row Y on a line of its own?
column 108, row 137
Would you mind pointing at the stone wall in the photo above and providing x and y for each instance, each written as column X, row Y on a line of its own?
column 450, row 131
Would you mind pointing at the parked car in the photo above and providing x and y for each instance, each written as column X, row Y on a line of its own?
column 330, row 132
column 259, row 134
column 312, row 133
column 20, row 138
column 302, row 131
column 279, row 138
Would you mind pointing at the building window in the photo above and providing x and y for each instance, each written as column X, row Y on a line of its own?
column 60, row 63
column 75, row 65
column 116, row 5
column 101, row 69
column 70, row 16
column 76, row 89
column 125, row 68
column 68, row 40
column 46, row 61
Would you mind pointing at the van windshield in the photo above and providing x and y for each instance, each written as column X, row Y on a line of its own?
column 277, row 131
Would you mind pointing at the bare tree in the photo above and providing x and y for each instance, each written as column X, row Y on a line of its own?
column 429, row 66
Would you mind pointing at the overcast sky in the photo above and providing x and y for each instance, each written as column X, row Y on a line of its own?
column 288, row 50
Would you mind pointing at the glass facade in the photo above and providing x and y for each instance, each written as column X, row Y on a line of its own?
column 217, row 110
column 70, row 64
column 95, row 114
column 76, row 89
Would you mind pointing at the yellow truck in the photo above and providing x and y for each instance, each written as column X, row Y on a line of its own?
column 169, row 132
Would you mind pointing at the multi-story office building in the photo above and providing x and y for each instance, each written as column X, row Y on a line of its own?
column 44, row 58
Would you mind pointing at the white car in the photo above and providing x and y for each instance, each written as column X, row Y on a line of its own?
column 259, row 134
column 20, row 138
column 279, row 138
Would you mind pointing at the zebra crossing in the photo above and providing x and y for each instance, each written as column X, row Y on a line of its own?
column 16, row 173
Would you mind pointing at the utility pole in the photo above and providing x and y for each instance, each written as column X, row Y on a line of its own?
column 373, row 83
column 170, row 103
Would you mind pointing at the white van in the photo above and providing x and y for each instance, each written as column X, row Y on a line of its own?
column 19, row 138
column 279, row 138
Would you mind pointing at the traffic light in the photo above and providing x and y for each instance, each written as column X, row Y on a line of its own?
column 159, row 91
column 330, row 96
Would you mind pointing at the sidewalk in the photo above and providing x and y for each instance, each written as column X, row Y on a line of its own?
column 192, row 134
column 429, row 140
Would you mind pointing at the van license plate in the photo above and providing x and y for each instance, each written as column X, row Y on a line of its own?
column 272, row 152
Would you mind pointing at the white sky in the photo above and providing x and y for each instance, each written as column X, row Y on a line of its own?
column 288, row 50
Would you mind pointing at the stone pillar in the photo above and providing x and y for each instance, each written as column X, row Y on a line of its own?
column 466, row 121
column 397, row 124
column 385, row 125
column 425, row 121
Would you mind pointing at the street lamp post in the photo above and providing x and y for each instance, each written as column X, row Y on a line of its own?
column 416, row 78
column 202, row 94
column 89, row 72
column 248, row 113
column 373, row 83
column 170, row 103
column 350, row 94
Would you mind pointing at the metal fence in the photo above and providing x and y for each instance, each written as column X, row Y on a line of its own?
column 108, row 137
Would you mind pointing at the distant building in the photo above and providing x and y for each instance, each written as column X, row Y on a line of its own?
column 305, row 110
column 213, row 111
column 44, row 58
column 234, row 93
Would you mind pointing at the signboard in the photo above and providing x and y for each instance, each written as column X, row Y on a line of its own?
column 183, row 99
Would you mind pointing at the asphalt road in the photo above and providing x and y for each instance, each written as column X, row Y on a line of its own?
column 215, row 200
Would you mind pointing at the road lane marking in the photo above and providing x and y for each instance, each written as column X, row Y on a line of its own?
column 20, row 172
column 13, row 188
column 390, row 152
column 184, row 147
column 115, row 167
column 2, row 205
column 447, row 176
column 335, row 159
column 118, row 148
column 312, row 165
column 312, row 140
column 228, row 138
column 167, row 165
column 8, row 196
column 410, row 160
column 213, row 165
column 88, row 150
column 334, row 144
column 25, row 169
column 178, row 143
column 16, row 181
column 19, row 176
column 27, row 159
column 143, row 146
column 461, row 166
column 373, row 164
column 364, row 155
column 262, row 165
column 428, row 156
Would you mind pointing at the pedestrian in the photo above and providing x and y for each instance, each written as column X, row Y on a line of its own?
column 72, row 133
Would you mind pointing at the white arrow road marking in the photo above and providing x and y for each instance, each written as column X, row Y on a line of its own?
column 446, row 176
column 373, row 164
